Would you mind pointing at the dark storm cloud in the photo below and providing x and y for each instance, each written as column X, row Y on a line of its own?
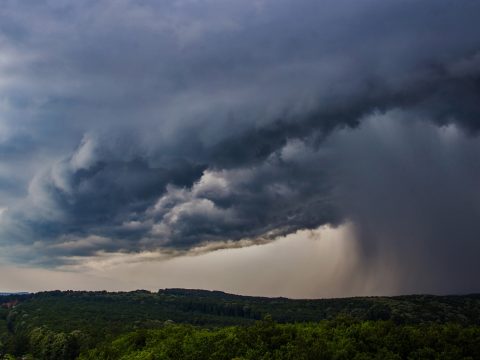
column 231, row 204
column 141, row 125
column 97, row 186
column 411, row 190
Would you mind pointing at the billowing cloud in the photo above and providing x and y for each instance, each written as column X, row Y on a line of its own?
column 149, row 126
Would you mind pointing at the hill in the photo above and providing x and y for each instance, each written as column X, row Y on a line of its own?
column 214, row 308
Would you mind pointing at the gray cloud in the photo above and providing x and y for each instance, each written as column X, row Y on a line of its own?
column 131, row 126
column 411, row 190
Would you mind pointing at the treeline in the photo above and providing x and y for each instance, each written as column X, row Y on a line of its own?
column 62, row 325
column 124, row 310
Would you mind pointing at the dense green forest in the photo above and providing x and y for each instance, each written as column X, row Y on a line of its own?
column 198, row 324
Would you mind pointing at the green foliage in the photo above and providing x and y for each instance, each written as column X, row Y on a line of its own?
column 267, row 340
column 46, row 344
column 197, row 324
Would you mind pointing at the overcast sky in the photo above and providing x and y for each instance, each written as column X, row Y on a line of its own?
column 301, row 148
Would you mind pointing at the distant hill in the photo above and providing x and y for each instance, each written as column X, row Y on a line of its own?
column 13, row 293
column 69, row 310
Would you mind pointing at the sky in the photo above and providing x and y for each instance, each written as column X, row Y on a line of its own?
column 299, row 148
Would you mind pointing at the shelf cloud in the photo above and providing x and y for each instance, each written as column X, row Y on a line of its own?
column 130, row 127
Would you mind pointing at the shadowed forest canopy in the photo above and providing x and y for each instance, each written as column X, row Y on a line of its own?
column 198, row 324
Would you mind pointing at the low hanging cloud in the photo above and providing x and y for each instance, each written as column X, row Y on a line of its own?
column 134, row 127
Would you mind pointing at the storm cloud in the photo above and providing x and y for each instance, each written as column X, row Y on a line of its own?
column 130, row 126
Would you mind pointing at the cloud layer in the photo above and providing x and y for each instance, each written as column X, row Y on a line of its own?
column 131, row 126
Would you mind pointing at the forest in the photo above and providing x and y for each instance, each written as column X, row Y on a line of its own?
column 199, row 324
